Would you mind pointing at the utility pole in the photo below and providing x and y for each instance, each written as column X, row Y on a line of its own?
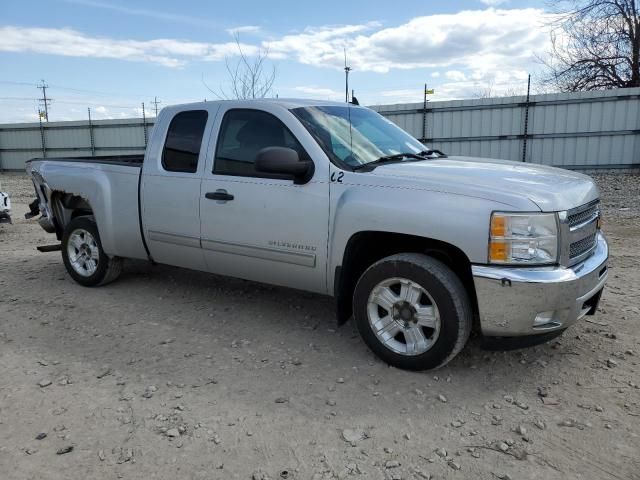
column 424, row 116
column 347, row 69
column 43, row 141
column 44, row 100
column 144, row 125
column 91, row 139
column 427, row 91
column 156, row 102
column 526, row 121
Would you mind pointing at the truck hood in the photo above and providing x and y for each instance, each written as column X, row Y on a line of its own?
column 551, row 189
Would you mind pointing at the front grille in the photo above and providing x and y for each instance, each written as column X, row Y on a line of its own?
column 582, row 231
column 582, row 246
column 581, row 216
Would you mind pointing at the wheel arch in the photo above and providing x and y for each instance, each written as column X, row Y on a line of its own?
column 66, row 207
column 367, row 247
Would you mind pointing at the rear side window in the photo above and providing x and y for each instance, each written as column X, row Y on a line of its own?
column 243, row 134
column 184, row 138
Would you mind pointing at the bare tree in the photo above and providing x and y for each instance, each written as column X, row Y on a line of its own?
column 595, row 45
column 486, row 91
column 490, row 91
column 249, row 75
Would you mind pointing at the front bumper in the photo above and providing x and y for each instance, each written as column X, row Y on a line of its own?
column 528, row 301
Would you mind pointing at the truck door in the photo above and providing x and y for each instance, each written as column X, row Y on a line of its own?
column 255, row 226
column 170, row 189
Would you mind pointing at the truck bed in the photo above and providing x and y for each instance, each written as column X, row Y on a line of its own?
column 124, row 160
column 110, row 187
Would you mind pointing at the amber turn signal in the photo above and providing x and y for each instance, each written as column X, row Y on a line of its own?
column 497, row 251
column 498, row 226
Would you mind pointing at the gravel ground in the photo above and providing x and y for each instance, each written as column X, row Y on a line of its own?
column 168, row 373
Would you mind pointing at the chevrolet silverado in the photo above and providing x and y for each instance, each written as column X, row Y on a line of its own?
column 417, row 246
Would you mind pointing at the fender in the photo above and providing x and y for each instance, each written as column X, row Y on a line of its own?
column 409, row 211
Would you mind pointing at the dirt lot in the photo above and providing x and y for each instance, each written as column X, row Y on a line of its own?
column 174, row 374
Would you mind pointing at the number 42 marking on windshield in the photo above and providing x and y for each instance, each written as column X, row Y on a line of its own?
column 337, row 177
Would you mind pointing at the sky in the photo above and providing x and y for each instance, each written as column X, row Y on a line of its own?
column 113, row 55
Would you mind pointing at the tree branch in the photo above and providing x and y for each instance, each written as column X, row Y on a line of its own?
column 247, row 75
column 599, row 46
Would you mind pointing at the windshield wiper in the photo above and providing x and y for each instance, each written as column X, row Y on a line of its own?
column 398, row 157
column 432, row 153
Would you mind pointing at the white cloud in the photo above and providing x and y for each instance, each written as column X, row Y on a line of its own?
column 455, row 75
column 475, row 47
column 470, row 46
column 319, row 92
column 507, row 83
column 480, row 40
column 68, row 42
column 323, row 46
column 405, row 95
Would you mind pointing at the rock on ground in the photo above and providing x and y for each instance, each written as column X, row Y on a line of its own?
column 227, row 349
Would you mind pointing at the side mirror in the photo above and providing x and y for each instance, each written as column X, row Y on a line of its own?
column 284, row 161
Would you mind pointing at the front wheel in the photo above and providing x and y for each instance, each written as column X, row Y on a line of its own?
column 412, row 311
column 84, row 257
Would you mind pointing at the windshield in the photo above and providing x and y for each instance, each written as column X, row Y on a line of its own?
column 356, row 136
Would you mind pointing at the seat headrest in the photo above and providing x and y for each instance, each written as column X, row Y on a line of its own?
column 261, row 133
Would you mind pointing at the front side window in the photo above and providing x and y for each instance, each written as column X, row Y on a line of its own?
column 243, row 134
column 356, row 136
column 184, row 139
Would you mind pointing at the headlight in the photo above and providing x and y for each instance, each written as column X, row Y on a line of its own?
column 523, row 238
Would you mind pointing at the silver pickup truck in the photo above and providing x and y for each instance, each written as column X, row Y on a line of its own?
column 333, row 198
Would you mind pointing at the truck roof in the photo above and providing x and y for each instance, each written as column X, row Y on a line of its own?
column 284, row 102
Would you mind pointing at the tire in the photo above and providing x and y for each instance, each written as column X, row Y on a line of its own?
column 84, row 257
column 418, row 307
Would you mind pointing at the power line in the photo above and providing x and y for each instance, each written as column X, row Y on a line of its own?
column 98, row 92
column 73, row 102
column 7, row 82
column 94, row 103
column 17, row 98
column 78, row 90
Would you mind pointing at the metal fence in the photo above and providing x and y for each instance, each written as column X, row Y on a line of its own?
column 21, row 141
column 585, row 130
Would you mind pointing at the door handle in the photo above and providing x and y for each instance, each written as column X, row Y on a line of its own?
column 219, row 195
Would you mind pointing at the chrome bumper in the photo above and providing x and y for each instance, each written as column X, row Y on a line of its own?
column 527, row 301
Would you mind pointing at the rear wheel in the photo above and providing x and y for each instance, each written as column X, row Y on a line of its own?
column 84, row 257
column 412, row 311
